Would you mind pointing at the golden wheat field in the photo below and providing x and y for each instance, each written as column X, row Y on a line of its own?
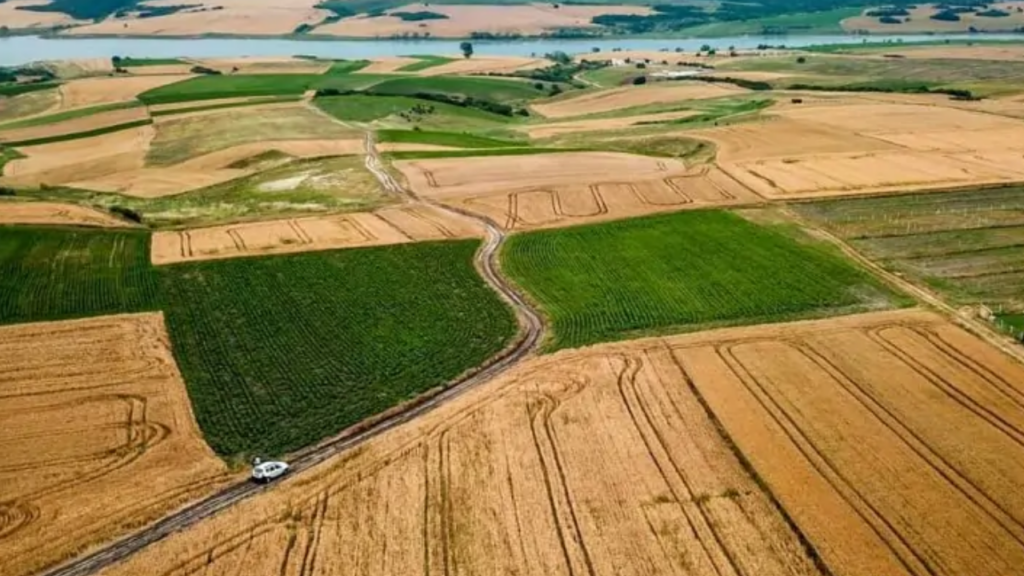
column 856, row 147
column 98, row 436
column 886, row 443
column 550, row 190
column 395, row 225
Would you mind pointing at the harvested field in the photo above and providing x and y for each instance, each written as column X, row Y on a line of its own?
column 180, row 138
column 79, row 67
column 830, row 148
column 484, row 65
column 630, row 96
column 396, row 225
column 239, row 17
column 15, row 212
column 82, row 159
column 550, row 190
column 192, row 104
column 962, row 52
column 99, row 437
column 29, row 104
column 104, row 90
column 12, row 15
column 388, row 65
column 463, row 20
column 620, row 459
column 573, row 126
column 157, row 182
column 75, row 126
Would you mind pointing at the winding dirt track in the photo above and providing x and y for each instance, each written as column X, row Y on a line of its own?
column 531, row 332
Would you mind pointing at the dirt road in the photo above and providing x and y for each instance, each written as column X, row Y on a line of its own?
column 531, row 332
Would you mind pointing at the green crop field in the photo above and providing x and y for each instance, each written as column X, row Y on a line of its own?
column 493, row 89
column 54, row 273
column 8, row 154
column 404, row 111
column 238, row 86
column 969, row 246
column 677, row 272
column 280, row 352
column 340, row 67
column 453, row 139
column 424, row 63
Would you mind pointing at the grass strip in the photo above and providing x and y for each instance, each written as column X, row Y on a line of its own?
column 16, row 89
column 453, row 139
column 425, row 62
column 80, row 135
column 426, row 154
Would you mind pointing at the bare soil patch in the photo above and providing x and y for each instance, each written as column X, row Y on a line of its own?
column 239, row 17
column 463, row 20
column 83, row 124
column 618, row 456
column 552, row 190
column 16, row 212
column 92, row 91
column 13, row 17
column 99, row 436
column 393, row 225
column 630, row 96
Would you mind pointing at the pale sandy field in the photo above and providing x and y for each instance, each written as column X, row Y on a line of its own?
column 16, row 212
column 82, row 159
column 980, row 52
column 674, row 58
column 38, row 103
column 630, row 96
column 552, row 190
column 887, row 438
column 264, row 65
column 99, row 436
column 394, row 225
column 388, row 65
column 920, row 21
column 857, row 147
column 74, row 126
column 14, row 18
column 486, row 64
column 527, row 19
column 93, row 91
column 237, row 17
column 574, row 126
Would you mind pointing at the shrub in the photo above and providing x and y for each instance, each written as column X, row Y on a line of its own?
column 205, row 70
column 639, row 80
column 126, row 213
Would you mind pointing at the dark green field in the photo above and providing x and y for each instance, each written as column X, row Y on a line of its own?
column 238, row 86
column 677, row 272
column 280, row 352
column 367, row 108
column 57, row 273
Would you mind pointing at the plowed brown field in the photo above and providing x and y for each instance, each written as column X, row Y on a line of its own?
column 630, row 96
column 98, row 436
column 891, row 440
column 395, row 225
column 14, row 212
column 549, row 190
column 830, row 147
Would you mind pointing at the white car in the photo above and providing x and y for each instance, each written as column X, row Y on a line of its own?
column 267, row 471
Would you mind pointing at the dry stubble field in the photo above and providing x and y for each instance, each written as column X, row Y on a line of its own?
column 548, row 190
column 14, row 212
column 395, row 225
column 840, row 146
column 891, row 440
column 98, row 436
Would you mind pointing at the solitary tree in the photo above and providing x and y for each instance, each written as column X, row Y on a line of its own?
column 467, row 49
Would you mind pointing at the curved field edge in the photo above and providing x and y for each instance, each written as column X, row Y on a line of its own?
column 321, row 341
column 681, row 272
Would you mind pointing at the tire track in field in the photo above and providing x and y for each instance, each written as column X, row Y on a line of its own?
column 531, row 333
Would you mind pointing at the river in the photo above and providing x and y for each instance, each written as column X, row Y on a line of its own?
column 16, row 50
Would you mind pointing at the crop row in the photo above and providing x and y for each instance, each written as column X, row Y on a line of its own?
column 48, row 273
column 649, row 275
column 279, row 352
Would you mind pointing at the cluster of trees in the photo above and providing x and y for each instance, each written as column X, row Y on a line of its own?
column 25, row 73
column 419, row 16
